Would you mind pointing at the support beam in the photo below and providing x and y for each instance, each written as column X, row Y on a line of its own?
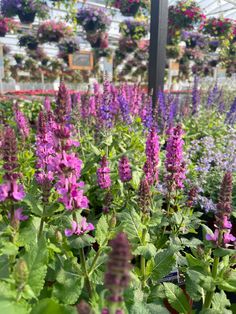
column 157, row 52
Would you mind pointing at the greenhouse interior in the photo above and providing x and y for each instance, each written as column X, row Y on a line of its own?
column 118, row 156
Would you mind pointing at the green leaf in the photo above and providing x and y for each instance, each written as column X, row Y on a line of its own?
column 132, row 225
column 148, row 251
column 102, row 229
column 141, row 308
column 192, row 281
column 36, row 260
column 68, row 286
column 4, row 267
column 34, row 205
column 177, row 298
column 220, row 302
column 81, row 241
column 11, row 307
column 49, row 306
column 164, row 263
column 221, row 252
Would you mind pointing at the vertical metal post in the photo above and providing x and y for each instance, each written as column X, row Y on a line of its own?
column 157, row 50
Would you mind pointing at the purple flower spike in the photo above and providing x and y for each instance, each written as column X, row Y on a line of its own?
column 125, row 172
column 103, row 174
column 117, row 276
column 152, row 156
column 174, row 163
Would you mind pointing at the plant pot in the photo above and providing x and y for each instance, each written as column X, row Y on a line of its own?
column 27, row 18
column 130, row 10
column 213, row 63
column 3, row 33
column 18, row 61
column 32, row 46
column 91, row 27
column 192, row 43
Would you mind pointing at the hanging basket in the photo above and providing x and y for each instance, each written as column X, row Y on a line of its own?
column 130, row 10
column 26, row 18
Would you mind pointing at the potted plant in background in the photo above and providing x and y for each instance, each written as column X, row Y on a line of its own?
column 93, row 20
column 128, row 7
column 134, row 29
column 213, row 45
column 217, row 27
column 98, row 40
column 53, row 31
column 19, row 58
column 29, row 41
column 25, row 9
column 7, row 25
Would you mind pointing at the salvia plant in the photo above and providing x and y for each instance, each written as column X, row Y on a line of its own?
column 111, row 206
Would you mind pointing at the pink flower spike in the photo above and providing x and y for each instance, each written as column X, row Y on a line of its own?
column 70, row 232
column 18, row 192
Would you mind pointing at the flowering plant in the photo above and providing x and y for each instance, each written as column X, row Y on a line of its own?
column 217, row 27
column 25, row 9
column 52, row 31
column 93, row 20
column 129, row 7
column 185, row 14
column 29, row 41
column 134, row 29
column 6, row 25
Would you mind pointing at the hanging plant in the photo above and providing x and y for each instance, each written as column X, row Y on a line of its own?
column 217, row 27
column 37, row 54
column 25, row 9
column 29, row 41
column 172, row 52
column 19, row 58
column 98, row 40
column 134, row 29
column 193, row 39
column 7, row 25
column 213, row 45
column 93, row 20
column 129, row 7
column 127, row 45
column 52, row 31
column 69, row 45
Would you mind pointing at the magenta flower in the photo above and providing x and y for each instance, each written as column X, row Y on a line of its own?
column 103, row 174
column 125, row 172
column 228, row 237
column 79, row 228
column 213, row 237
column 174, row 163
column 19, row 216
column 71, row 194
column 226, row 223
column 22, row 122
column 152, row 157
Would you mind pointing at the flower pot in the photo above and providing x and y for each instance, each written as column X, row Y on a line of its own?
column 26, row 18
column 130, row 10
column 32, row 46
column 91, row 26
column 192, row 43
column 2, row 33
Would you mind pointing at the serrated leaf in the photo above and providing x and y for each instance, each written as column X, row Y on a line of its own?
column 4, row 267
column 50, row 306
column 193, row 287
column 68, row 286
column 133, row 226
column 11, row 307
column 177, row 298
column 33, row 204
column 164, row 263
column 220, row 302
column 81, row 241
column 141, row 308
column 102, row 229
column 36, row 260
column 148, row 251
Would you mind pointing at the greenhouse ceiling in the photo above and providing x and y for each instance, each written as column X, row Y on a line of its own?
column 227, row 8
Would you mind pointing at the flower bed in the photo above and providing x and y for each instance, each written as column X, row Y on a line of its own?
column 109, row 209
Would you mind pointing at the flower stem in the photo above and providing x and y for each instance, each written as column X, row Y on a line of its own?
column 210, row 294
column 143, row 261
column 84, row 269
